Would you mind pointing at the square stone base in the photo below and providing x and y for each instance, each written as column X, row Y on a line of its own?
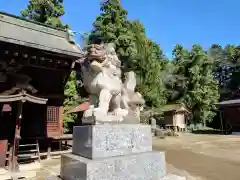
column 143, row 166
column 99, row 141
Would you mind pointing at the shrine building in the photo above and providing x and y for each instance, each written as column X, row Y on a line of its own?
column 35, row 63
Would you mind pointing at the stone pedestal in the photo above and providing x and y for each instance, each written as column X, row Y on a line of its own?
column 113, row 152
column 143, row 166
column 100, row 141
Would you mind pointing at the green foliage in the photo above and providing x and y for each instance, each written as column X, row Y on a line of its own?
column 45, row 11
column 194, row 74
column 112, row 26
column 176, row 80
column 148, row 64
column 226, row 69
column 71, row 99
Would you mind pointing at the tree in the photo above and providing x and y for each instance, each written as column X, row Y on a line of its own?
column 216, row 52
column 201, row 90
column 148, row 67
column 45, row 11
column 226, row 69
column 71, row 99
column 176, row 81
column 112, row 26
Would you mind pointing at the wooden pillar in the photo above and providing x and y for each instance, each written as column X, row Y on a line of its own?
column 60, row 144
column 60, row 120
column 49, row 148
column 9, row 162
column 38, row 151
column 14, row 167
column 66, row 145
column 221, row 121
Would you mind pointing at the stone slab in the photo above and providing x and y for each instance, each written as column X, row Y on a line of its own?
column 98, row 141
column 173, row 177
column 143, row 166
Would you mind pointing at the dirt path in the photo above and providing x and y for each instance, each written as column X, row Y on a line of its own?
column 208, row 168
column 201, row 165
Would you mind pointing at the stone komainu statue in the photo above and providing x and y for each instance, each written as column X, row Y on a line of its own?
column 111, row 100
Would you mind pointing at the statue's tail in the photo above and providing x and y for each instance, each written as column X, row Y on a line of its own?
column 130, row 81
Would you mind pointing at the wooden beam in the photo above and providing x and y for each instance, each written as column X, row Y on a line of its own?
column 51, row 96
column 22, row 97
column 25, row 57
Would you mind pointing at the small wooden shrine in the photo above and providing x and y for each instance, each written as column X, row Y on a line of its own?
column 176, row 118
column 35, row 62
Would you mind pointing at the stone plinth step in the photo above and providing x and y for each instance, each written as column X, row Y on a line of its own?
column 142, row 166
column 173, row 177
column 98, row 141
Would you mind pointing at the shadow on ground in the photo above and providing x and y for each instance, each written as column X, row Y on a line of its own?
column 210, row 132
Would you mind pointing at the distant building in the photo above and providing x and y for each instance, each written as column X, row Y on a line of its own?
column 229, row 115
column 175, row 118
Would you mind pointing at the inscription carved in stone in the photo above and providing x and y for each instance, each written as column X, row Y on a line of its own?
column 116, row 140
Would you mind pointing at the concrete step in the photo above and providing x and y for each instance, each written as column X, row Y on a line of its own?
column 173, row 177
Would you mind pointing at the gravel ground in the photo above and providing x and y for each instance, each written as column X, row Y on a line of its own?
column 205, row 157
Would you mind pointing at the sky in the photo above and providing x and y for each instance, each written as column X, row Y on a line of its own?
column 167, row 22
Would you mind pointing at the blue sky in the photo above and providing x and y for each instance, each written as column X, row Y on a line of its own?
column 167, row 22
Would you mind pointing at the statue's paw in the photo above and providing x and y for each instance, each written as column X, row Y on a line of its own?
column 88, row 113
column 97, row 110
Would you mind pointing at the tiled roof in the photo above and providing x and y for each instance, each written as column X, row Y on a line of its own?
column 230, row 102
column 20, row 31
